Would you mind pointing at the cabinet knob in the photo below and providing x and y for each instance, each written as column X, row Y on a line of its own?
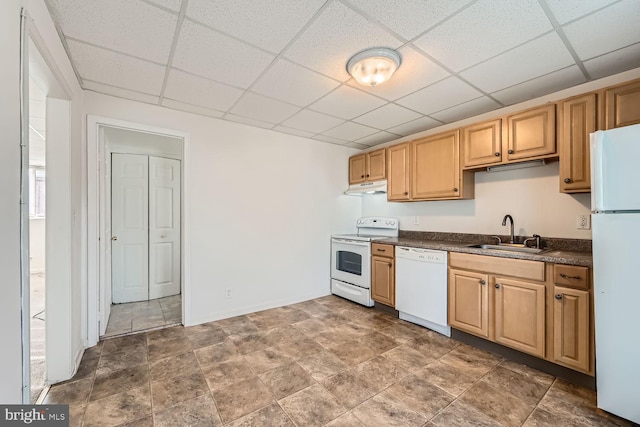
column 455, row 190
column 567, row 180
column 361, row 176
column 367, row 175
column 558, row 296
column 390, row 265
column 482, row 282
column 406, row 193
column 497, row 285
column 497, row 154
column 510, row 151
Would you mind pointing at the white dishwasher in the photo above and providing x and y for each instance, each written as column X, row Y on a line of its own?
column 421, row 287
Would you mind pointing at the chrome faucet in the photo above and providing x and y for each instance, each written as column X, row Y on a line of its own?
column 504, row 222
column 535, row 238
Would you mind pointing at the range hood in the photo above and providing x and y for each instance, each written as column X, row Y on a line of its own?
column 373, row 187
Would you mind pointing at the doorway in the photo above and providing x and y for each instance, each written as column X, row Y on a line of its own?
column 143, row 206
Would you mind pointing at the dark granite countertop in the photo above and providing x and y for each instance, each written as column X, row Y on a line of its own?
column 559, row 251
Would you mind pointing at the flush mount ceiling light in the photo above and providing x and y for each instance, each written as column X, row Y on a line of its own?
column 373, row 66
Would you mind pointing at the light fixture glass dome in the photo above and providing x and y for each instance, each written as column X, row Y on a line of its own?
column 374, row 66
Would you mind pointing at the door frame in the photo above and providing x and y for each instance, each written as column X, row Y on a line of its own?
column 97, row 197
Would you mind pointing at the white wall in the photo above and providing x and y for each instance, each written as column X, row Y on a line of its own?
column 530, row 196
column 36, row 245
column 126, row 141
column 260, row 207
column 10, row 333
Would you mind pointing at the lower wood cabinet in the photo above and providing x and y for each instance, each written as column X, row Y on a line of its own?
column 541, row 309
column 469, row 302
column 520, row 315
column 571, row 326
column 383, row 273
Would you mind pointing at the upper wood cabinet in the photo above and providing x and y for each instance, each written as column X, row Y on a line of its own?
column 622, row 105
column 576, row 120
column 482, row 144
column 531, row 133
column 367, row 167
column 399, row 172
column 435, row 168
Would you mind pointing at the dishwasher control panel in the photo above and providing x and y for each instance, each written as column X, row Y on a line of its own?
column 424, row 255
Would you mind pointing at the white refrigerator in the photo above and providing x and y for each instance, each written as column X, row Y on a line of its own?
column 615, row 206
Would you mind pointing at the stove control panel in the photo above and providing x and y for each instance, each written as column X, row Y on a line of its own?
column 377, row 222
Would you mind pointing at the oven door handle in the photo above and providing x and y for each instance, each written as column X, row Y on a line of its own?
column 351, row 242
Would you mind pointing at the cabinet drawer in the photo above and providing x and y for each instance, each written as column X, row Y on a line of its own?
column 380, row 249
column 522, row 268
column 571, row 275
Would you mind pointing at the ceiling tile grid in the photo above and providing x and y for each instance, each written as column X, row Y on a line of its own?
column 281, row 64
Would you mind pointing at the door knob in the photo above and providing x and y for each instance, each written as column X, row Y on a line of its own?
column 163, row 236
column 114, row 238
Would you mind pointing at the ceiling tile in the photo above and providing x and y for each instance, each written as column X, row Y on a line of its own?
column 415, row 72
column 439, row 96
column 247, row 121
column 199, row 91
column 356, row 145
column 468, row 109
column 409, row 18
column 295, row 132
column 311, row 121
column 483, row 30
column 621, row 21
column 614, row 62
column 565, row 11
column 334, row 37
column 324, row 138
column 169, row 4
column 119, row 92
column 292, row 83
column 530, row 60
column 135, row 28
column 347, row 103
column 213, row 55
column 177, row 105
column 350, row 131
column 415, row 126
column 267, row 24
column 114, row 69
column 258, row 107
column 377, row 138
column 387, row 116
column 544, row 85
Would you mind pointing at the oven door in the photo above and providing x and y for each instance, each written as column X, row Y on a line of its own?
column 351, row 262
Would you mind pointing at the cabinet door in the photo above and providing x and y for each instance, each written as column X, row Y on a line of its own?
column 469, row 302
column 531, row 133
column 571, row 328
column 622, row 105
column 383, row 287
column 377, row 165
column 357, row 168
column 435, row 167
column 577, row 121
column 482, row 144
column 520, row 315
column 398, row 180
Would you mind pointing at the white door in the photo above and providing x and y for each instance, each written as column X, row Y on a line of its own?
column 130, row 227
column 164, row 227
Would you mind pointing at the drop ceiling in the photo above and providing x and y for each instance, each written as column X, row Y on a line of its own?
column 280, row 64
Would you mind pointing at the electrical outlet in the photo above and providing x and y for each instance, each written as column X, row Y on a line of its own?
column 583, row 222
column 227, row 293
column 416, row 220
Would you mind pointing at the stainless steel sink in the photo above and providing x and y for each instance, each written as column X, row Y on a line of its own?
column 513, row 247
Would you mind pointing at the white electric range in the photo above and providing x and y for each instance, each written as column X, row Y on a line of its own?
column 351, row 258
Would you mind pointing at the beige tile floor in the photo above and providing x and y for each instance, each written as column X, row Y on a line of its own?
column 321, row 362
column 143, row 315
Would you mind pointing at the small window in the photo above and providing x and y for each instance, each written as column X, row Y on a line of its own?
column 37, row 193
